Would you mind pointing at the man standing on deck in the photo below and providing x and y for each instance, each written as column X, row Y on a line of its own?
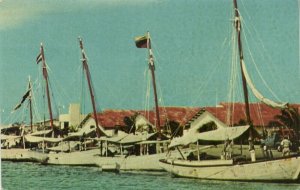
column 285, row 143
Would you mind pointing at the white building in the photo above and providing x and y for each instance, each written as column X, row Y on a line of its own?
column 73, row 118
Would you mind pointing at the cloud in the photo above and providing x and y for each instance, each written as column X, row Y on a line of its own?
column 14, row 13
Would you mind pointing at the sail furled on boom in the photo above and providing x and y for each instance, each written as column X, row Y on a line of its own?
column 257, row 94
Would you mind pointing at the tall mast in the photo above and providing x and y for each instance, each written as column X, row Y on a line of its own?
column 30, row 103
column 152, row 68
column 88, row 76
column 45, row 74
column 238, row 27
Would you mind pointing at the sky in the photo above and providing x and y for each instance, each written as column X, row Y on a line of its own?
column 191, row 41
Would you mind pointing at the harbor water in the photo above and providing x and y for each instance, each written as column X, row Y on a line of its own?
column 36, row 176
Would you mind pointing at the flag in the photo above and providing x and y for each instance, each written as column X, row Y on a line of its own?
column 141, row 41
column 25, row 96
column 39, row 58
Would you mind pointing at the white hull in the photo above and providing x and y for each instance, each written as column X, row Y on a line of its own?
column 78, row 158
column 119, row 162
column 143, row 162
column 22, row 155
column 92, row 158
column 285, row 169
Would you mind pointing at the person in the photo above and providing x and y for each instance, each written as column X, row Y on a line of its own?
column 251, row 149
column 285, row 143
column 227, row 149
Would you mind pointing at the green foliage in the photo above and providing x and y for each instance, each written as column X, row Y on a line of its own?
column 289, row 118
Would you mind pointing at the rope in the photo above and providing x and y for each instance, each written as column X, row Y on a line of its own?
column 259, row 73
column 262, row 54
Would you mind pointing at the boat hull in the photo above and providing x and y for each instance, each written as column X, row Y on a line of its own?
column 22, row 155
column 143, row 162
column 118, row 162
column 285, row 169
column 78, row 158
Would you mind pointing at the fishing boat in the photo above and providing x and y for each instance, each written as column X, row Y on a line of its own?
column 237, row 169
column 27, row 148
column 124, row 151
column 154, row 144
column 79, row 157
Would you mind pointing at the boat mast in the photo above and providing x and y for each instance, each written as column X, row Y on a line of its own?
column 238, row 27
column 152, row 68
column 45, row 74
column 88, row 76
column 30, row 103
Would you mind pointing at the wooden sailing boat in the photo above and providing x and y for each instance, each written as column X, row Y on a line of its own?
column 79, row 158
column 136, row 161
column 25, row 154
column 10, row 150
column 281, row 169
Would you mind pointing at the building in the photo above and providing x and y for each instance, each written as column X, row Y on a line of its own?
column 171, row 118
column 73, row 118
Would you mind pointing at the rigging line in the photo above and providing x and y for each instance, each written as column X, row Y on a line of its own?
column 233, row 74
column 144, row 90
column 260, row 114
column 147, row 94
column 162, row 105
column 54, row 101
column 254, row 63
column 38, row 89
column 216, row 66
column 210, row 74
column 264, row 54
column 245, row 10
column 61, row 92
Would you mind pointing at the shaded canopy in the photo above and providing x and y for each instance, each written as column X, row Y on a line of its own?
column 35, row 139
column 9, row 137
column 220, row 134
column 41, row 133
column 130, row 138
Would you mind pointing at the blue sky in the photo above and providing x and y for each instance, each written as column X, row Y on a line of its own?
column 190, row 42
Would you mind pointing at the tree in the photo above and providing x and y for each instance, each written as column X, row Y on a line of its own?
column 289, row 118
column 130, row 123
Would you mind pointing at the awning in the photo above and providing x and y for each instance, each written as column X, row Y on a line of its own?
column 41, row 133
column 9, row 137
column 34, row 139
column 65, row 146
column 77, row 135
column 125, row 138
column 220, row 134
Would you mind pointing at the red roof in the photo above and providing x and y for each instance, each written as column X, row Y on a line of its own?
column 112, row 118
column 260, row 114
column 179, row 114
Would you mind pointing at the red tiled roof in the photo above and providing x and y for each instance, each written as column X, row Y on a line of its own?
column 112, row 118
column 179, row 114
column 260, row 114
